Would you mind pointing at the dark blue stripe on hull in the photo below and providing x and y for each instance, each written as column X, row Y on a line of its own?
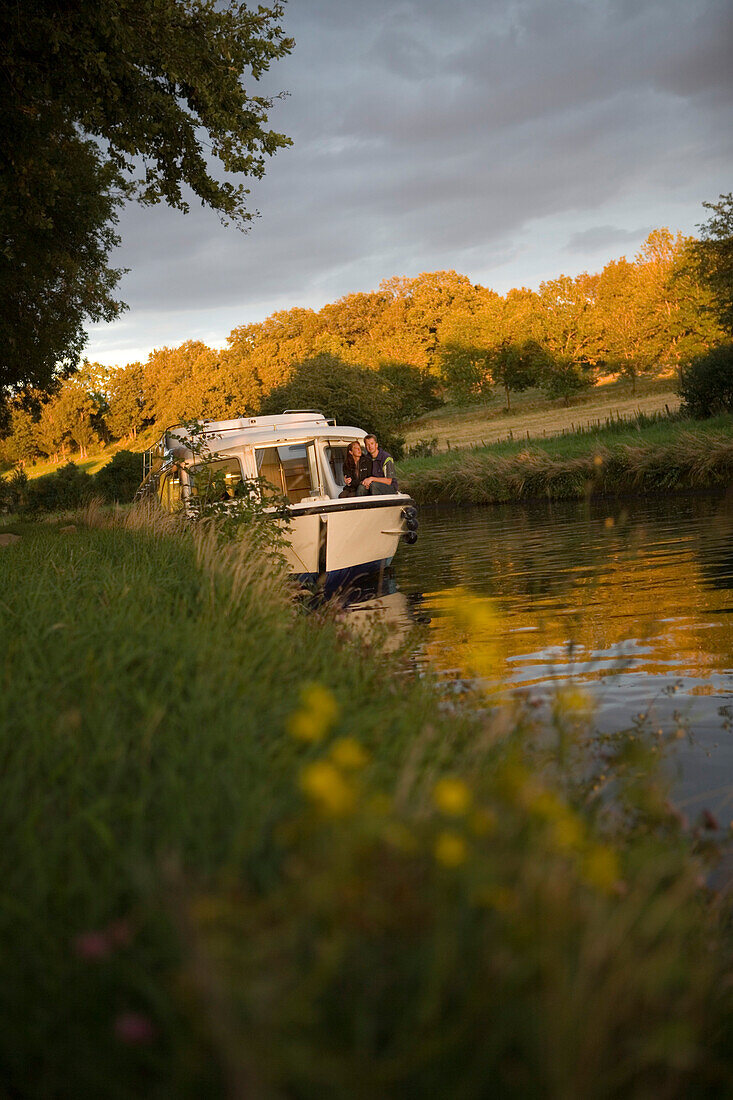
column 341, row 577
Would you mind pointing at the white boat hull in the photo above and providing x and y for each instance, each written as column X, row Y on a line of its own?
column 337, row 539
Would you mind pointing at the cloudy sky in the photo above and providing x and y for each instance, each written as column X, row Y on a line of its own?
column 510, row 140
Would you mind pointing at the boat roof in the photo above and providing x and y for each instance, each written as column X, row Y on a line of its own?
column 231, row 435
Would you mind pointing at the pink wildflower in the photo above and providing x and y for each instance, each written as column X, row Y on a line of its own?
column 134, row 1029
column 92, row 946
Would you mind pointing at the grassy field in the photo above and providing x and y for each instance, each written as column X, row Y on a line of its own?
column 90, row 465
column 534, row 416
column 246, row 854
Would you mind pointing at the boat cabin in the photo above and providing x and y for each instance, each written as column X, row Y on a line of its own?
column 301, row 454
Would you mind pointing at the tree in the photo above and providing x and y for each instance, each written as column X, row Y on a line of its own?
column 57, row 210
column 356, row 321
column 491, row 345
column 126, row 401
column 564, row 377
column 629, row 322
column 20, row 443
column 465, row 360
column 106, row 99
column 518, row 366
column 467, row 336
column 714, row 253
column 50, row 430
column 75, row 409
column 353, row 395
column 655, row 310
column 409, row 328
column 411, row 391
column 564, row 321
column 263, row 356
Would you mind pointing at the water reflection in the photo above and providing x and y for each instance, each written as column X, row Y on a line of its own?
column 633, row 599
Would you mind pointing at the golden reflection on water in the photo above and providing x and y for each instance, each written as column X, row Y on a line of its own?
column 638, row 610
column 561, row 591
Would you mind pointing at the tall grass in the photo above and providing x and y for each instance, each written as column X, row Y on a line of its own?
column 659, row 456
column 246, row 853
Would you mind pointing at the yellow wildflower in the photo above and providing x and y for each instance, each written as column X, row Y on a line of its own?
column 326, row 786
column 601, row 868
column 450, row 849
column 452, row 796
column 317, row 713
column 304, row 726
column 349, row 754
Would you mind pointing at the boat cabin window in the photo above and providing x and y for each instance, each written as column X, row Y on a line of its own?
column 169, row 489
column 287, row 468
column 217, row 480
column 335, row 455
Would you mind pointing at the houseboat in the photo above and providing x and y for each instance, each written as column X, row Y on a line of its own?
column 332, row 539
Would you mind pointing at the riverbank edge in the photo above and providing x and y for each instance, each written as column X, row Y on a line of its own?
column 692, row 461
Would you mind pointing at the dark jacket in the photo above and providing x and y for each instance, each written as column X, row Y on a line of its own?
column 383, row 466
column 357, row 475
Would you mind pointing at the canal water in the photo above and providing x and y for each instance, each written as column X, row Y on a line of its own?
column 630, row 599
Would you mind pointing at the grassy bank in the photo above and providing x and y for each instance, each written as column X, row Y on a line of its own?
column 246, row 854
column 656, row 455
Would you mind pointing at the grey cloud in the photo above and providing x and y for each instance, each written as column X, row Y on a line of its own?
column 599, row 237
column 432, row 134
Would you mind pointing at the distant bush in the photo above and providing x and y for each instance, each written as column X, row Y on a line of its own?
column 423, row 448
column 706, row 383
column 120, row 479
column 68, row 487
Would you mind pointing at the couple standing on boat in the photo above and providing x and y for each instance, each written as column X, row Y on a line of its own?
column 370, row 474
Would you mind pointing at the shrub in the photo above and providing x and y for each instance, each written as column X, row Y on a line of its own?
column 120, row 479
column 13, row 494
column 423, row 448
column 68, row 487
column 706, row 383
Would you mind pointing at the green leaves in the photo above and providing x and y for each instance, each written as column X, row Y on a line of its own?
column 107, row 99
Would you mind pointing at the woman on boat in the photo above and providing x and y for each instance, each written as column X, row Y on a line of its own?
column 357, row 466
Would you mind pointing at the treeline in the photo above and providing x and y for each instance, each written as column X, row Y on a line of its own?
column 384, row 357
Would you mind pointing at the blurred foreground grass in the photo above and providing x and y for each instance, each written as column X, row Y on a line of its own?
column 246, row 854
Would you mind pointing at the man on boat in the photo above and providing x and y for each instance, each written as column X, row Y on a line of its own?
column 382, row 480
